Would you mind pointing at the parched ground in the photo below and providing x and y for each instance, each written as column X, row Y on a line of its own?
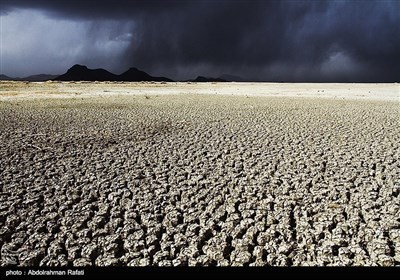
column 199, row 180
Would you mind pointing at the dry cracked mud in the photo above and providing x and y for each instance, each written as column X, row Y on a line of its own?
column 199, row 180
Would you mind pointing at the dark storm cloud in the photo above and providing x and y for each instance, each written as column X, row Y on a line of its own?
column 268, row 40
column 96, row 9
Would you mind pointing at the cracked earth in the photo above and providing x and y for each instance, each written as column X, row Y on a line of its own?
column 173, row 180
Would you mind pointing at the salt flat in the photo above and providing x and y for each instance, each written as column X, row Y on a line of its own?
column 199, row 174
column 346, row 91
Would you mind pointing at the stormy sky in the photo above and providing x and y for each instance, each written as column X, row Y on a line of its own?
column 327, row 41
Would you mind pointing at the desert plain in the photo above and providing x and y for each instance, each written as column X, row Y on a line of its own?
column 226, row 174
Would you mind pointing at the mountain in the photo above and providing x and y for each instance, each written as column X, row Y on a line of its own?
column 32, row 78
column 5, row 78
column 38, row 78
column 201, row 79
column 136, row 75
column 82, row 73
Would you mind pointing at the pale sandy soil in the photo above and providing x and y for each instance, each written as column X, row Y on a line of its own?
column 387, row 92
column 117, row 178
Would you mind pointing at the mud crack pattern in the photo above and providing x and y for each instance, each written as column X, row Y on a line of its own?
column 199, row 180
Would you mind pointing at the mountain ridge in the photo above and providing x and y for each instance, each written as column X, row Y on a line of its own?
column 135, row 75
column 31, row 78
column 82, row 73
column 202, row 79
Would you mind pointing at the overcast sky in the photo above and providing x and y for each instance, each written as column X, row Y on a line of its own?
column 262, row 40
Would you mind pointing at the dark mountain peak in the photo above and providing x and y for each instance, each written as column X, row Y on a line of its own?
column 82, row 73
column 78, row 67
column 134, row 70
column 136, row 75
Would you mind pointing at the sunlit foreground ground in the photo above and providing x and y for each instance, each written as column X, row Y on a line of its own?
column 199, row 174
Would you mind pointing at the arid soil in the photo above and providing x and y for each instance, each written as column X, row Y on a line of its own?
column 198, row 179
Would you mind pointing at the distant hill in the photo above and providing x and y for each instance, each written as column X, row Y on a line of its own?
column 33, row 78
column 136, row 75
column 201, row 79
column 39, row 78
column 82, row 73
column 5, row 78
